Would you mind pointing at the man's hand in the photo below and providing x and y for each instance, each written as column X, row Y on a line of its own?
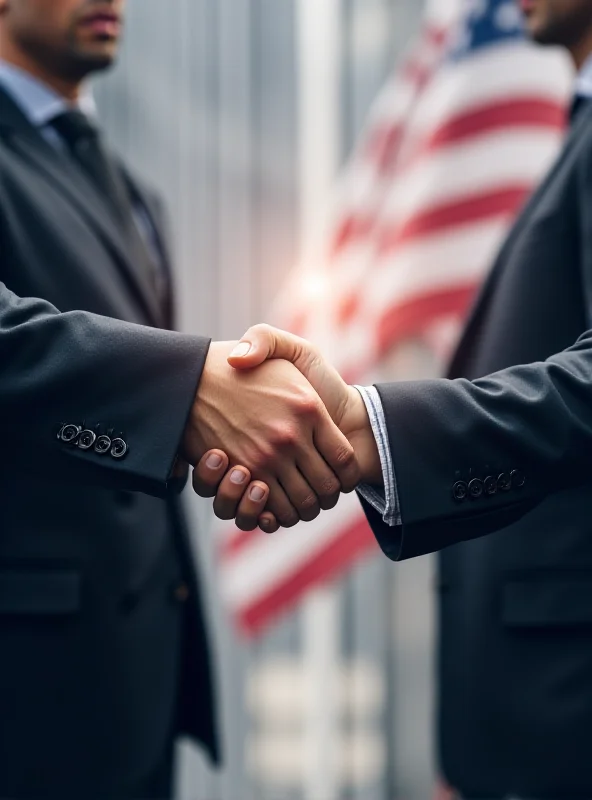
column 236, row 496
column 343, row 402
column 272, row 422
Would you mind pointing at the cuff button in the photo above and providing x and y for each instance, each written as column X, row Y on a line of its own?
column 118, row 448
column 459, row 491
column 102, row 445
column 86, row 439
column 476, row 488
column 518, row 479
column 69, row 433
column 504, row 482
column 490, row 485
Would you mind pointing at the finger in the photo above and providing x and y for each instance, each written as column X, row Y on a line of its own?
column 268, row 523
column 209, row 472
column 319, row 476
column 338, row 453
column 300, row 493
column 280, row 506
column 230, row 492
column 262, row 342
column 251, row 506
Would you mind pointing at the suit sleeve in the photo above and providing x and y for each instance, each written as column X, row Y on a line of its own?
column 77, row 368
column 471, row 458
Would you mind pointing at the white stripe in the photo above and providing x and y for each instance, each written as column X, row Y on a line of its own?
column 446, row 259
column 466, row 168
column 502, row 73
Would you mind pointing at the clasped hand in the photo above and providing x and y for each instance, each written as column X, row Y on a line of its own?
column 275, row 433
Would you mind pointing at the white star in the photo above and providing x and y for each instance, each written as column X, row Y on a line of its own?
column 477, row 8
column 508, row 17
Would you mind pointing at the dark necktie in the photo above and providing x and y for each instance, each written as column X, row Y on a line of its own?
column 84, row 142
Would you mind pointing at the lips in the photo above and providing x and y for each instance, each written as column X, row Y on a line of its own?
column 103, row 23
column 527, row 6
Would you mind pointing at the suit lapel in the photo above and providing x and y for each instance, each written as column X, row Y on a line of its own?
column 486, row 292
column 79, row 191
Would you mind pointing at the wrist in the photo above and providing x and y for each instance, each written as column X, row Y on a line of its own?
column 204, row 409
column 357, row 427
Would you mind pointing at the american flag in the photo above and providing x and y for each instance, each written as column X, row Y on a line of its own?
column 455, row 142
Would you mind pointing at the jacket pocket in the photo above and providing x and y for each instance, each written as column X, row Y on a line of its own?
column 41, row 592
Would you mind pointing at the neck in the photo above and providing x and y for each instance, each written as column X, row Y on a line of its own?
column 70, row 90
column 580, row 50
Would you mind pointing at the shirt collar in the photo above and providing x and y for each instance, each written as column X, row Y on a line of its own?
column 38, row 101
column 584, row 80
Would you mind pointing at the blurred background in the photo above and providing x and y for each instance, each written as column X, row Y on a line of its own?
column 244, row 112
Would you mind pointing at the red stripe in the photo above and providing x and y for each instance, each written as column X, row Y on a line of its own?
column 238, row 542
column 352, row 229
column 525, row 112
column 472, row 208
column 404, row 320
column 352, row 543
column 382, row 146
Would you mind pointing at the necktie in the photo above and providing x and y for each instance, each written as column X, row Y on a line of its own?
column 84, row 142
column 85, row 145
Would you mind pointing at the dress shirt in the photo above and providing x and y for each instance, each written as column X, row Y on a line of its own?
column 583, row 87
column 385, row 499
column 41, row 104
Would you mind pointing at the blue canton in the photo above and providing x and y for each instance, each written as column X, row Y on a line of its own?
column 486, row 23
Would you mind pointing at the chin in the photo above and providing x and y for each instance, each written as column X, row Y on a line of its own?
column 541, row 35
column 95, row 60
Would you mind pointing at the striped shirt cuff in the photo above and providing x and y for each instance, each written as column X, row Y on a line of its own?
column 387, row 503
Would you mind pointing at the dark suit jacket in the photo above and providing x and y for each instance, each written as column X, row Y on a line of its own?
column 512, row 453
column 93, row 639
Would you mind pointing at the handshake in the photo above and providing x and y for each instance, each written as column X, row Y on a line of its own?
column 275, row 434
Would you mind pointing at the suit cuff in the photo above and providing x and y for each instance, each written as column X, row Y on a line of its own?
column 385, row 501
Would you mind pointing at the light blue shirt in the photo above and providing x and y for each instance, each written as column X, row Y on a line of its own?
column 583, row 87
column 39, row 102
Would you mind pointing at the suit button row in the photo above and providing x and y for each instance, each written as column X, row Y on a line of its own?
column 489, row 486
column 88, row 440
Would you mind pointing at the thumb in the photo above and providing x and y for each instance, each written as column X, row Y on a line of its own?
column 263, row 342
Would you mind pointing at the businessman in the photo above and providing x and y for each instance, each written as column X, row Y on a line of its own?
column 104, row 652
column 502, row 445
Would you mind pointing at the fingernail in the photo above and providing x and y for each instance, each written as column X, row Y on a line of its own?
column 256, row 494
column 242, row 349
column 214, row 461
column 237, row 476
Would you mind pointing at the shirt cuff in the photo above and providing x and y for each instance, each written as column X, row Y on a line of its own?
column 385, row 503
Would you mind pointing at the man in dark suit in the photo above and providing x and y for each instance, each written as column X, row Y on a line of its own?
column 104, row 653
column 456, row 459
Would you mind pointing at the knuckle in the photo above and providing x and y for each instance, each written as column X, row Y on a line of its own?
column 345, row 456
column 283, row 435
column 306, row 405
column 262, row 459
column 329, row 487
column 309, row 503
